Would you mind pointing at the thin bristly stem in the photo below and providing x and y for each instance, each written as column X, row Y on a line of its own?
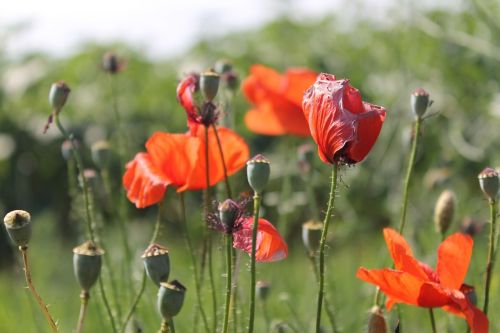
column 256, row 211
column 154, row 237
column 106, row 305
column 409, row 171
column 433, row 321
column 229, row 262
column 209, row 238
column 224, row 166
column 191, row 251
column 326, row 223
column 84, row 296
column 171, row 325
column 38, row 298
column 491, row 254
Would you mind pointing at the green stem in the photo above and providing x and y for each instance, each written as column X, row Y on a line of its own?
column 165, row 327
column 154, row 237
column 191, row 251
column 229, row 262
column 38, row 298
column 256, row 210
column 409, row 171
column 491, row 254
column 224, row 167
column 171, row 325
column 83, row 310
column 433, row 321
column 324, row 234
column 106, row 305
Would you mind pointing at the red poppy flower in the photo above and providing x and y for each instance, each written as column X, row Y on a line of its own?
column 270, row 246
column 344, row 127
column 413, row 282
column 277, row 100
column 179, row 160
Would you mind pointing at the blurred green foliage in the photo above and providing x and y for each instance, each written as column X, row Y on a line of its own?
column 453, row 54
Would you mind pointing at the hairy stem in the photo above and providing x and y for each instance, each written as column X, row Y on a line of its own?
column 229, row 262
column 256, row 210
column 491, row 254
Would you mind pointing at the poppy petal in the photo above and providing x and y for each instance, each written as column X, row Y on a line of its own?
column 368, row 130
column 269, row 119
column 144, row 181
column 185, row 91
column 462, row 307
column 296, row 82
column 270, row 245
column 454, row 255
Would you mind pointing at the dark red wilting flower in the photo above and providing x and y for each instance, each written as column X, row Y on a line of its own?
column 343, row 126
column 415, row 283
column 206, row 114
column 179, row 160
column 277, row 100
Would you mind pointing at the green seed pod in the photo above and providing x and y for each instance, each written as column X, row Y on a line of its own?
column 258, row 171
column 18, row 225
column 58, row 95
column 419, row 102
column 262, row 289
column 209, row 85
column 87, row 263
column 170, row 298
column 444, row 211
column 229, row 211
column 157, row 263
column 489, row 183
column 110, row 63
column 376, row 321
column 311, row 235
column 101, row 154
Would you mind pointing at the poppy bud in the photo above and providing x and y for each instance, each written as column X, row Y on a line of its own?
column 419, row 102
column 110, row 63
column 209, row 85
column 101, row 154
column 262, row 288
column 87, row 263
column 311, row 235
column 170, row 298
column 444, row 211
column 376, row 321
column 489, row 183
column 157, row 263
column 58, row 95
column 229, row 211
column 18, row 225
column 258, row 171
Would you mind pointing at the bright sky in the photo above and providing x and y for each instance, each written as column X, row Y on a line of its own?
column 160, row 27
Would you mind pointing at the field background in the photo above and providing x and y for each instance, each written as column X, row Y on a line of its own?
column 454, row 53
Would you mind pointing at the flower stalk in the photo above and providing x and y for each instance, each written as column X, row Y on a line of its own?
column 491, row 254
column 256, row 211
column 229, row 261
column 84, row 296
column 326, row 223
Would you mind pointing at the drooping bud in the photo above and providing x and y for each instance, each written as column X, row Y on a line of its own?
column 311, row 235
column 110, row 63
column 262, row 288
column 258, row 171
column 87, row 264
column 101, row 154
column 229, row 211
column 209, row 85
column 170, row 298
column 157, row 263
column 58, row 95
column 376, row 321
column 444, row 211
column 419, row 102
column 18, row 225
column 489, row 183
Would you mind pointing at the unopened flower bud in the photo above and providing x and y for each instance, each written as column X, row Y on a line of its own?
column 444, row 211
column 101, row 154
column 262, row 288
column 110, row 63
column 157, row 263
column 18, row 225
column 489, row 183
column 87, row 264
column 58, row 95
column 258, row 171
column 209, row 85
column 419, row 102
column 229, row 211
column 311, row 235
column 376, row 321
column 170, row 298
